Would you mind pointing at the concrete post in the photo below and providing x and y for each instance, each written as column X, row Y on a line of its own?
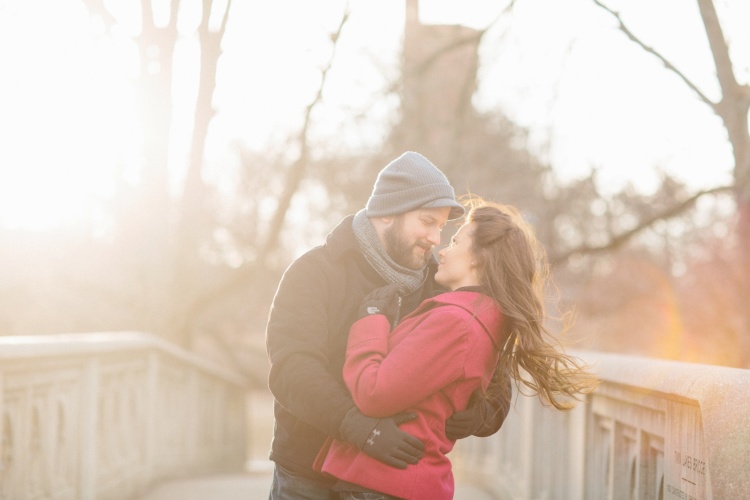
column 89, row 429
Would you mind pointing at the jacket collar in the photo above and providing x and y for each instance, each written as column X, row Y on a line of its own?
column 341, row 240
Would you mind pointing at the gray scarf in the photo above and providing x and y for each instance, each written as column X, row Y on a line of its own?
column 408, row 280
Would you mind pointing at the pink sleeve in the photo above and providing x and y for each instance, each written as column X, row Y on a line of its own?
column 431, row 356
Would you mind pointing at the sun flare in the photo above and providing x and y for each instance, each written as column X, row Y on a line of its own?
column 66, row 122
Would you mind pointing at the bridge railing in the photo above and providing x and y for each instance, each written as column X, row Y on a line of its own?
column 653, row 429
column 103, row 416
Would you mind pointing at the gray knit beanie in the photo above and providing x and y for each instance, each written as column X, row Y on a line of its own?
column 410, row 182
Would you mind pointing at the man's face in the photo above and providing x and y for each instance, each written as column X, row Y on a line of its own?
column 410, row 237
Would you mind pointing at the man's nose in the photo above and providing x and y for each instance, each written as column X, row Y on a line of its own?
column 434, row 237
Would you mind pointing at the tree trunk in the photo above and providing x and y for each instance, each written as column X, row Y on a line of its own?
column 194, row 222
column 733, row 110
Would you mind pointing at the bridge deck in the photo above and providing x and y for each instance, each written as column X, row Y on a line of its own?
column 251, row 486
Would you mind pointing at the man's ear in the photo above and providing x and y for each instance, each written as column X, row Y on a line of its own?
column 382, row 222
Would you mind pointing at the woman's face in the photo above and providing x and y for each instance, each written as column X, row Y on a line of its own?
column 457, row 267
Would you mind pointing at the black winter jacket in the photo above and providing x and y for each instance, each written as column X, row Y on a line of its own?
column 315, row 305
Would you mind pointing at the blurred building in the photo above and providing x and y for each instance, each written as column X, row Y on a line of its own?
column 439, row 71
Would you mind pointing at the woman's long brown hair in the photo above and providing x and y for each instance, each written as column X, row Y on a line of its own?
column 514, row 271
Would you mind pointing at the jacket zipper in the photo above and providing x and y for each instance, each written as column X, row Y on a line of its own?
column 398, row 313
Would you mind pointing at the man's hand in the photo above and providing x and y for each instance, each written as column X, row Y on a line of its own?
column 464, row 423
column 382, row 439
column 383, row 300
column 483, row 417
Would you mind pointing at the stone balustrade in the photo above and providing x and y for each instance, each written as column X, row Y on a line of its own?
column 653, row 429
column 103, row 416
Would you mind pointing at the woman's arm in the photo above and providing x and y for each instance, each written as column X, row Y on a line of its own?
column 431, row 356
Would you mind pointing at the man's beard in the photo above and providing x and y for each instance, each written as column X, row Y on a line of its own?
column 402, row 252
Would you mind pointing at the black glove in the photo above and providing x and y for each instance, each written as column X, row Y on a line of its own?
column 383, row 300
column 382, row 439
column 484, row 416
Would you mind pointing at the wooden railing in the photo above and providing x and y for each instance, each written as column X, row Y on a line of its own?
column 653, row 429
column 103, row 416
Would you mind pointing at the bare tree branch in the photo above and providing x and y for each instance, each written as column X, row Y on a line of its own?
column 147, row 17
column 658, row 55
column 733, row 108
column 297, row 171
column 296, row 175
column 193, row 219
column 174, row 7
column 719, row 47
column 473, row 39
column 224, row 21
column 97, row 8
column 616, row 241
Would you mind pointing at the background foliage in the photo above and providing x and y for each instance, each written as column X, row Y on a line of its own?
column 661, row 274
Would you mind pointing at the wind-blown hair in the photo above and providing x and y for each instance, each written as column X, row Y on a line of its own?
column 513, row 270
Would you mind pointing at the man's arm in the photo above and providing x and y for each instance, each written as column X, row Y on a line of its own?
column 297, row 340
column 299, row 352
column 486, row 412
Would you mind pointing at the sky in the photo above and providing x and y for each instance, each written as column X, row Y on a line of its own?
column 589, row 97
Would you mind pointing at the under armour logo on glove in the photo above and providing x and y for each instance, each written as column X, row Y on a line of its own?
column 381, row 438
column 371, row 440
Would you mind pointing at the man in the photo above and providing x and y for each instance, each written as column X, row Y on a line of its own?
column 390, row 241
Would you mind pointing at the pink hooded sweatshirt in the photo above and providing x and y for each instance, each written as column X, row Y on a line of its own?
column 430, row 364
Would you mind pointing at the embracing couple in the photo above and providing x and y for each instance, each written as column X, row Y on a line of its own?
column 382, row 356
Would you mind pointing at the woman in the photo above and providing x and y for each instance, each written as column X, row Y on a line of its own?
column 432, row 362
